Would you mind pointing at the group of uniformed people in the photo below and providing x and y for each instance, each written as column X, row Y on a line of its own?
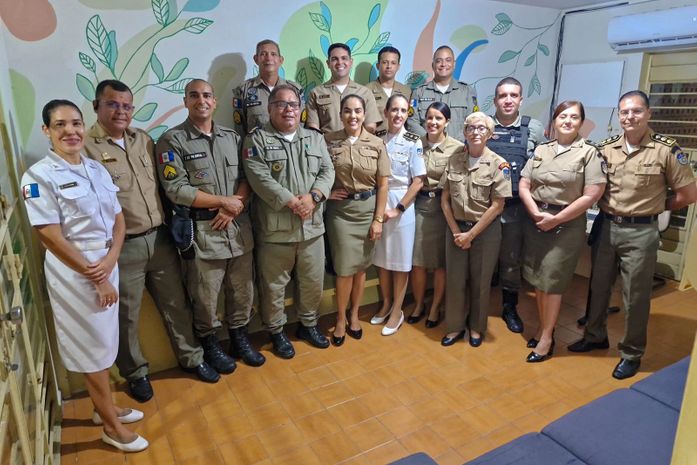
column 430, row 202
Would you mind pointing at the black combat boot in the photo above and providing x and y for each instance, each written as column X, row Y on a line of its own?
column 214, row 355
column 510, row 313
column 241, row 348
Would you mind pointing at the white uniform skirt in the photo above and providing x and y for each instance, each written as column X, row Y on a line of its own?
column 88, row 335
column 395, row 249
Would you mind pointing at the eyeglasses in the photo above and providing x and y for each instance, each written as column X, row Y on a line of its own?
column 479, row 129
column 627, row 113
column 282, row 104
column 127, row 107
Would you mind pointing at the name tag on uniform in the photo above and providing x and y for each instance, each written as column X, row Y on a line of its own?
column 324, row 97
column 67, row 185
column 273, row 147
column 194, row 156
column 426, row 99
column 252, row 104
column 378, row 97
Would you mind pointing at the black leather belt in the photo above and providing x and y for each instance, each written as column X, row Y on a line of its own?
column 466, row 224
column 365, row 195
column 144, row 233
column 202, row 214
column 512, row 201
column 432, row 193
column 631, row 219
column 550, row 206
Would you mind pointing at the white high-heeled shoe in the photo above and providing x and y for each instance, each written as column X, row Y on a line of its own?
column 387, row 331
column 137, row 445
column 378, row 320
column 131, row 417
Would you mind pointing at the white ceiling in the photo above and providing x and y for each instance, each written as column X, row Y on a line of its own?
column 558, row 4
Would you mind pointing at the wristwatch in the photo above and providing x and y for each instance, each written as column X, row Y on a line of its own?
column 401, row 207
column 317, row 198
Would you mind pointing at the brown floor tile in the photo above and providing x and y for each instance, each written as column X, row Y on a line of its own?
column 301, row 405
column 368, row 434
column 222, row 409
column 247, row 451
column 386, row 453
column 318, row 425
column 425, row 440
column 400, row 421
column 281, row 440
column 252, row 399
column 303, row 455
column 350, row 413
column 189, row 443
column 268, row 416
column 334, row 448
column 454, row 430
column 333, row 394
column 210, row 457
column 449, row 457
column 157, row 453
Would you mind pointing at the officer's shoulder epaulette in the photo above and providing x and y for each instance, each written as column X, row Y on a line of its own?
column 253, row 130
column 463, row 83
column 590, row 142
column 411, row 136
column 665, row 140
column 547, row 142
column 381, row 132
column 609, row 140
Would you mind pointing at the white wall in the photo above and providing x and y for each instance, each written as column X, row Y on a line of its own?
column 585, row 41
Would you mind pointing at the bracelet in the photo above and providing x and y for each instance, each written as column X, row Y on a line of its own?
column 379, row 219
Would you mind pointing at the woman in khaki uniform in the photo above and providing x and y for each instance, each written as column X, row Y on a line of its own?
column 475, row 183
column 566, row 177
column 355, row 209
column 429, row 248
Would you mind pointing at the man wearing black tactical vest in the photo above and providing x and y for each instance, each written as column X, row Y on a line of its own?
column 515, row 138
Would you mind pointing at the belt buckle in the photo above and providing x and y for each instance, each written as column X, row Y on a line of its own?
column 432, row 194
column 356, row 196
column 109, row 243
column 618, row 219
column 544, row 206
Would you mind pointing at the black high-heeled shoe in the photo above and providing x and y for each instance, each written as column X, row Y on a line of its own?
column 354, row 333
column 448, row 341
column 534, row 357
column 413, row 319
column 532, row 343
column 338, row 340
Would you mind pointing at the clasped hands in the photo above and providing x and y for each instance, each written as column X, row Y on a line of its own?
column 231, row 207
column 302, row 205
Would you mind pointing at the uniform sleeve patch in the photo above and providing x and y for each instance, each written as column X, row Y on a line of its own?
column 30, row 191
column 169, row 172
column 303, row 115
column 166, row 157
column 236, row 103
column 250, row 152
column 682, row 158
column 603, row 166
column 237, row 117
column 504, row 165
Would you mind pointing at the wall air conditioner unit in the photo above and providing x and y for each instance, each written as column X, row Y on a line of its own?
column 654, row 30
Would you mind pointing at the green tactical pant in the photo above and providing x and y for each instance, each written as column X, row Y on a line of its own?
column 152, row 262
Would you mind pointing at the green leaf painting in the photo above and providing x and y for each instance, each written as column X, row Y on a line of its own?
column 145, row 112
column 197, row 25
column 87, row 62
column 157, row 68
column 380, row 42
column 85, row 87
column 316, row 66
column 160, row 9
column 157, row 132
column 508, row 55
column 374, row 16
column 320, row 22
column 530, row 60
column 535, row 86
column 503, row 25
column 177, row 69
column 543, row 48
column 98, row 40
column 178, row 87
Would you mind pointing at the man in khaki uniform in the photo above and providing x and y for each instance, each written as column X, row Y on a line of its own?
column 460, row 97
column 148, row 257
column 324, row 101
column 385, row 85
column 291, row 174
column 515, row 138
column 198, row 164
column 641, row 166
column 251, row 99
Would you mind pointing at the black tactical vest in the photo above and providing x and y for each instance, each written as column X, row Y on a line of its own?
column 512, row 144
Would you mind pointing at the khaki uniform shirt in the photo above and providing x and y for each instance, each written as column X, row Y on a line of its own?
column 324, row 105
column 637, row 183
column 357, row 165
column 381, row 97
column 536, row 131
column 436, row 159
column 279, row 170
column 472, row 190
column 560, row 179
column 460, row 97
column 189, row 161
column 251, row 103
column 133, row 171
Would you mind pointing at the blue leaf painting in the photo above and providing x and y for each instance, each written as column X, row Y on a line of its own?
column 462, row 57
column 200, row 5
column 374, row 15
column 351, row 43
column 324, row 42
column 326, row 13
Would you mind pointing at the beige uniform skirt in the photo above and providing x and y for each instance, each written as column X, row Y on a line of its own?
column 348, row 226
column 550, row 257
column 429, row 245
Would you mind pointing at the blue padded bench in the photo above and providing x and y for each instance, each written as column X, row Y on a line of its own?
column 529, row 449
column 666, row 385
column 416, row 459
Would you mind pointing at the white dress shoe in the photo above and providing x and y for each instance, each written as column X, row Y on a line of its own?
column 387, row 331
column 137, row 445
column 132, row 416
column 378, row 320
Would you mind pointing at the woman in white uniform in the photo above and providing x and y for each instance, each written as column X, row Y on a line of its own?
column 393, row 252
column 71, row 203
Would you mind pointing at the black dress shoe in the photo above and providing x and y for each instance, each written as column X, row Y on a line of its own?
column 282, row 346
column 534, row 357
column 582, row 321
column 431, row 324
column 312, row 335
column 513, row 321
column 140, row 389
column 214, row 355
column 338, row 340
column 586, row 346
column 476, row 341
column 204, row 372
column 413, row 319
column 532, row 343
column 354, row 333
column 626, row 368
column 448, row 341
column 242, row 348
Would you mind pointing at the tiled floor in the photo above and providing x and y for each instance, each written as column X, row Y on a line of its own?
column 381, row 398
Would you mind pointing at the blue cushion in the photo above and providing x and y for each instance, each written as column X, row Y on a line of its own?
column 415, row 459
column 666, row 385
column 530, row 449
column 624, row 427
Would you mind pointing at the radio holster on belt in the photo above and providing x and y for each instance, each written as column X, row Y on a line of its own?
column 182, row 228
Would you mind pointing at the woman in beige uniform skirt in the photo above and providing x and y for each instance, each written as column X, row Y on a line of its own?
column 564, row 179
column 429, row 248
column 475, row 184
column 355, row 210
